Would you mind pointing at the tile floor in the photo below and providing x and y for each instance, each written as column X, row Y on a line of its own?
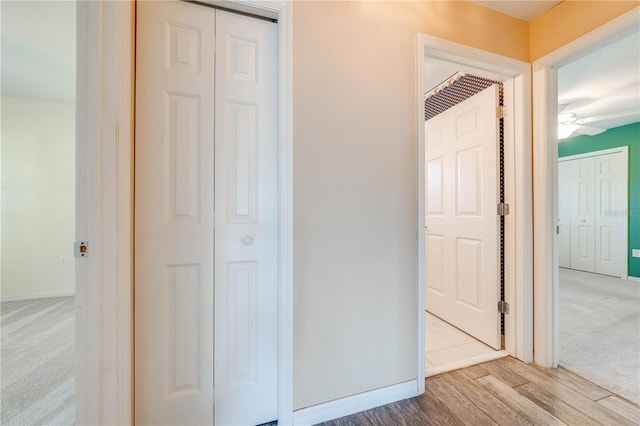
column 445, row 344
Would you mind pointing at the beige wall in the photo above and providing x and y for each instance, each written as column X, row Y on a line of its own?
column 355, row 177
column 38, row 197
column 570, row 20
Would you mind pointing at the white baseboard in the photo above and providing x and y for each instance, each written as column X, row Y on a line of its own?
column 37, row 296
column 354, row 404
column 434, row 371
column 636, row 279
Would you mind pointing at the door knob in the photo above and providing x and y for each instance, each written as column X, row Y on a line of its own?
column 247, row 240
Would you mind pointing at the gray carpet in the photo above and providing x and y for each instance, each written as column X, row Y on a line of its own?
column 37, row 371
column 600, row 330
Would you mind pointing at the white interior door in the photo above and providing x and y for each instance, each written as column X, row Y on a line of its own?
column 246, row 243
column 611, row 183
column 461, row 234
column 564, row 212
column 205, row 217
column 582, row 215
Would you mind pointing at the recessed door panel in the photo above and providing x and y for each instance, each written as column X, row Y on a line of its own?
column 469, row 272
column 469, row 182
column 434, row 185
column 182, row 156
column 434, row 257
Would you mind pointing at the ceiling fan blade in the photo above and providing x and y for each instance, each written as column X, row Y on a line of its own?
column 589, row 131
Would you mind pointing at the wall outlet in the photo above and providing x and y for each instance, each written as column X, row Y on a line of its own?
column 635, row 253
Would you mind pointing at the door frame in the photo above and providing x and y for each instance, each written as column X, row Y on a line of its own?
column 104, row 140
column 545, row 183
column 518, row 225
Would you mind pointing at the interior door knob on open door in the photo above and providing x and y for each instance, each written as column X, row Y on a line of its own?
column 247, row 240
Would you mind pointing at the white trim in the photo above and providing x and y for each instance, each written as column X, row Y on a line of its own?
column 545, row 183
column 634, row 279
column 519, row 325
column 103, row 279
column 623, row 148
column 356, row 403
column 37, row 296
column 468, row 362
column 421, row 46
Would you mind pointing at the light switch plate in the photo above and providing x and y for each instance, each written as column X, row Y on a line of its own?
column 635, row 253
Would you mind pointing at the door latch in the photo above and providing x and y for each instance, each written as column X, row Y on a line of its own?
column 80, row 249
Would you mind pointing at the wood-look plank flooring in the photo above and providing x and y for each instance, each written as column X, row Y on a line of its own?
column 503, row 392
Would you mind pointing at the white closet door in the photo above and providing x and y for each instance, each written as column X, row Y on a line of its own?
column 246, row 246
column 583, row 217
column 564, row 212
column 611, row 198
column 461, row 235
column 206, row 217
column 174, row 214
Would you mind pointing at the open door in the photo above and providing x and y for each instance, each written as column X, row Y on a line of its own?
column 461, row 222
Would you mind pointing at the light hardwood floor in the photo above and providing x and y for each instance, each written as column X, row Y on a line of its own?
column 503, row 392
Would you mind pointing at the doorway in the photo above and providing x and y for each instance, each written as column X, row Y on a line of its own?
column 547, row 291
column 598, row 154
column 439, row 60
column 38, row 213
column 206, row 226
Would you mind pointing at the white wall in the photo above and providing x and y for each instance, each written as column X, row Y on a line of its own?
column 38, row 197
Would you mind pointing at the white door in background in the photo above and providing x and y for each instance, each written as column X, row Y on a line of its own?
column 564, row 213
column 205, row 217
column 611, row 197
column 598, row 194
column 461, row 223
column 583, row 204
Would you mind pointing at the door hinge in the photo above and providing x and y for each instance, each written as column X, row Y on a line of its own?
column 500, row 112
column 503, row 209
column 80, row 249
column 503, row 307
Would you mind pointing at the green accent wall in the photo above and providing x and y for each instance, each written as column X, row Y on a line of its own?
column 628, row 135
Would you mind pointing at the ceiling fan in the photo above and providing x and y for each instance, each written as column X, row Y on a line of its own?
column 570, row 125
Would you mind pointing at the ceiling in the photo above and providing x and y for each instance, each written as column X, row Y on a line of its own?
column 602, row 89
column 38, row 49
column 521, row 9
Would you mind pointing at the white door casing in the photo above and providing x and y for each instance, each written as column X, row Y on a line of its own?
column 220, row 135
column 564, row 213
column 246, row 241
column 461, row 224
